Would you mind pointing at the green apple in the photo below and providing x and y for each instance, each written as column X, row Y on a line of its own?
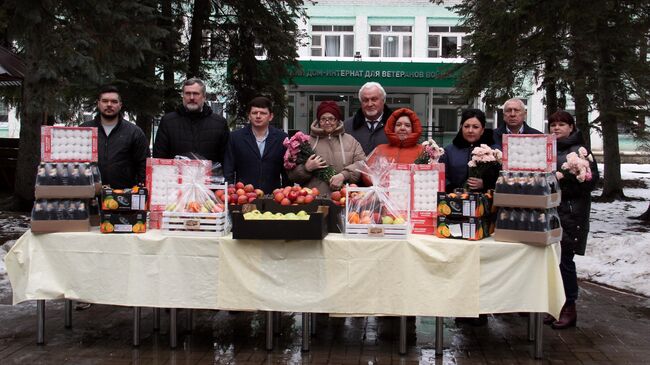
column 249, row 216
column 291, row 216
column 399, row 220
column 387, row 219
column 302, row 213
column 279, row 215
column 267, row 215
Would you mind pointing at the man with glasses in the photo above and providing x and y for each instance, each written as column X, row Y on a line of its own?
column 255, row 153
column 514, row 115
column 367, row 125
column 193, row 130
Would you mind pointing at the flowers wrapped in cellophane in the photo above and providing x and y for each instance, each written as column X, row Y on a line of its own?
column 378, row 204
column 298, row 151
column 577, row 165
column 430, row 154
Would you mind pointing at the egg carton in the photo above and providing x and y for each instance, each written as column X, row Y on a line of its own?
column 529, row 152
column 428, row 180
column 72, row 144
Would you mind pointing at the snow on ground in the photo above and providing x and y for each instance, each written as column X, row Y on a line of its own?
column 618, row 250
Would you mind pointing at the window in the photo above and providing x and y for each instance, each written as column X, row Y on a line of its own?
column 390, row 41
column 332, row 40
column 446, row 42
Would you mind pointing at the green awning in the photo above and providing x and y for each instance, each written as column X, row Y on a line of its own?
column 356, row 73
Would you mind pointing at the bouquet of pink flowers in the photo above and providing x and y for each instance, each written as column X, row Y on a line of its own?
column 430, row 154
column 483, row 157
column 298, row 151
column 577, row 165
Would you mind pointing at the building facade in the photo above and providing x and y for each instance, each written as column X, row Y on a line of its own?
column 410, row 47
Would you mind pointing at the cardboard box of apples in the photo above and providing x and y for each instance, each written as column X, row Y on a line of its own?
column 283, row 222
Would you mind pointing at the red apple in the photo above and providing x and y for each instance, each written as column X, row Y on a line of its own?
column 259, row 193
column 296, row 187
column 231, row 190
column 240, row 192
column 239, row 185
column 315, row 192
column 251, row 195
column 242, row 199
column 285, row 201
column 250, row 200
column 293, row 195
column 278, row 197
column 376, row 217
column 303, row 192
column 249, row 188
column 343, row 191
column 286, row 190
column 300, row 199
column 309, row 199
column 336, row 196
column 278, row 190
column 233, row 199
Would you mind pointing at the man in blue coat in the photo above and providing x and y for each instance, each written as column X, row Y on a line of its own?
column 514, row 116
column 255, row 153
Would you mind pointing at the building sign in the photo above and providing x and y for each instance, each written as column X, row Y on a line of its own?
column 354, row 73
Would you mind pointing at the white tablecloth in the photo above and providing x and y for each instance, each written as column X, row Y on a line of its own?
column 423, row 275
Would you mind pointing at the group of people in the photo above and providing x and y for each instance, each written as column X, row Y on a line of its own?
column 255, row 153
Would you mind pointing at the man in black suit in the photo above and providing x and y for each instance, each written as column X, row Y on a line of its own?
column 255, row 153
column 514, row 115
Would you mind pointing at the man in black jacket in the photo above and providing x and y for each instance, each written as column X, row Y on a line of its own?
column 192, row 130
column 514, row 116
column 122, row 147
column 367, row 125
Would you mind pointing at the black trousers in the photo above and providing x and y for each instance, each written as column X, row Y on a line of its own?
column 569, row 274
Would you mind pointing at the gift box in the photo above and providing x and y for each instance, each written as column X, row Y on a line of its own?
column 76, row 144
column 463, row 204
column 166, row 179
column 468, row 228
column 124, row 199
column 123, row 222
column 529, row 152
column 374, row 212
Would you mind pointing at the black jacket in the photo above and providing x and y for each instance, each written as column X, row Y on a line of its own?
column 244, row 163
column 499, row 132
column 122, row 154
column 575, row 206
column 456, row 157
column 183, row 133
column 356, row 127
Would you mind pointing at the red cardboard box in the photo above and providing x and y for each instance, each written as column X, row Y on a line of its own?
column 428, row 180
column 529, row 152
column 57, row 144
column 166, row 176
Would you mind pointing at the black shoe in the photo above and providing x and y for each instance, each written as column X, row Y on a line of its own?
column 82, row 306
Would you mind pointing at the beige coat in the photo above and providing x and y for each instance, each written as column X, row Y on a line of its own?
column 339, row 149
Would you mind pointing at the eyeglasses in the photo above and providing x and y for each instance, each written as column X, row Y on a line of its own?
column 328, row 120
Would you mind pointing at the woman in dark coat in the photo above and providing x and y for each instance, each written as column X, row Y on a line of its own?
column 574, row 213
column 472, row 134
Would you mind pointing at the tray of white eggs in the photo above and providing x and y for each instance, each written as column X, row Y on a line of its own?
column 529, row 152
column 71, row 144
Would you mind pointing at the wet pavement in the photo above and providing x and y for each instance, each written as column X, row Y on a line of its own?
column 613, row 328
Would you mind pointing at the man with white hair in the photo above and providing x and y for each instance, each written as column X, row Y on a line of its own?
column 367, row 125
column 514, row 115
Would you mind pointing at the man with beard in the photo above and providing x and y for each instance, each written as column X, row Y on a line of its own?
column 122, row 147
column 367, row 125
column 192, row 130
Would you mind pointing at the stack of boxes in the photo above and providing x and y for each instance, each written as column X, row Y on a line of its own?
column 464, row 215
column 66, row 181
column 527, row 192
column 123, row 210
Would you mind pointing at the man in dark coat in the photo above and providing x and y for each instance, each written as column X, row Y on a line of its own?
column 367, row 125
column 122, row 147
column 255, row 153
column 514, row 116
column 193, row 130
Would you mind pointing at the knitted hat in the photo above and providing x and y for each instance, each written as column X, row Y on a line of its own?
column 328, row 106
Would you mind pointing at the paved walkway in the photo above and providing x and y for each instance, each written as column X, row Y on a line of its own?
column 614, row 328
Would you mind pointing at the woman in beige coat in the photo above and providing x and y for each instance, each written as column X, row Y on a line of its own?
column 334, row 148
